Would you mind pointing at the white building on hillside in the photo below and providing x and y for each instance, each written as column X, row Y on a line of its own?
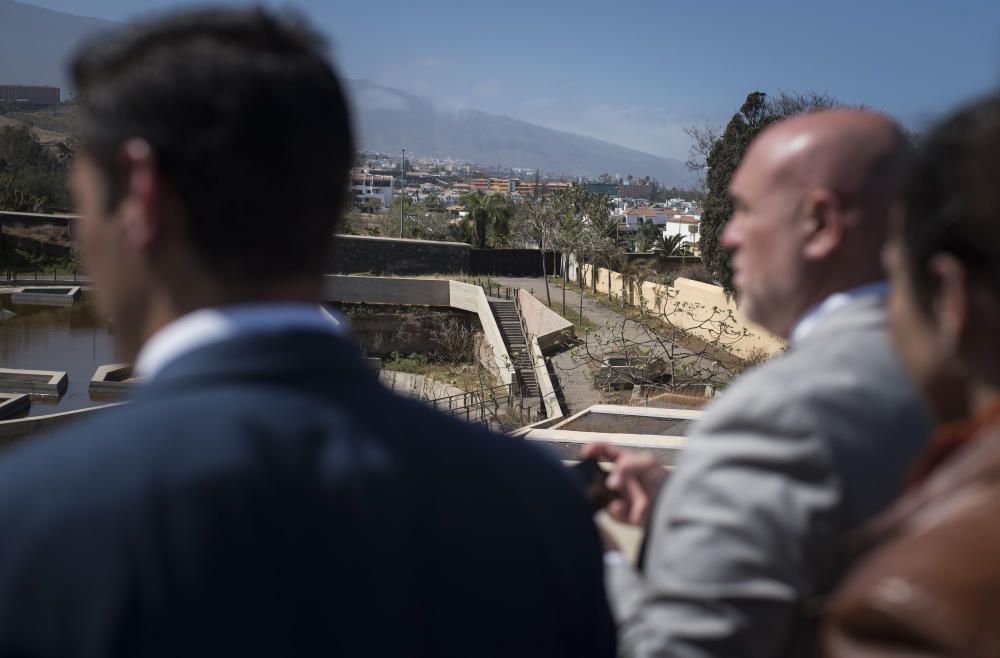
column 632, row 217
column 369, row 186
column 685, row 225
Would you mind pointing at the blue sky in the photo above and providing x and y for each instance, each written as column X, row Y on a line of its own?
column 636, row 73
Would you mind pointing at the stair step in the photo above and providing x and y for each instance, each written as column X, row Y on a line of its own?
column 509, row 321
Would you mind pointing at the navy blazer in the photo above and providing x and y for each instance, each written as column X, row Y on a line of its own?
column 265, row 496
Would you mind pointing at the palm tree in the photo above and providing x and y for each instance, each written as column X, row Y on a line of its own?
column 490, row 214
column 462, row 231
column 649, row 235
column 602, row 230
column 567, row 239
column 671, row 245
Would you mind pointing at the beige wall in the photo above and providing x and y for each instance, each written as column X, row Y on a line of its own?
column 386, row 290
column 550, row 328
column 468, row 297
column 552, row 407
column 699, row 307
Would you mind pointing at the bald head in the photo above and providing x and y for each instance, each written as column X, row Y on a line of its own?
column 856, row 155
column 811, row 203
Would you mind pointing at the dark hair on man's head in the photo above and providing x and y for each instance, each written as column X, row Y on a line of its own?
column 952, row 198
column 248, row 124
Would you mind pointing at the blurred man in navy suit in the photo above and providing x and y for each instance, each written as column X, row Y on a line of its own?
column 263, row 495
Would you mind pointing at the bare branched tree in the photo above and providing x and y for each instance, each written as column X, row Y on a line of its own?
column 703, row 138
column 537, row 223
column 454, row 341
column 665, row 344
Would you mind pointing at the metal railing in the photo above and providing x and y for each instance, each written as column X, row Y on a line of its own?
column 489, row 407
column 497, row 291
column 37, row 275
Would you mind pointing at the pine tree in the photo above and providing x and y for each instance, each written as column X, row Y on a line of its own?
column 723, row 157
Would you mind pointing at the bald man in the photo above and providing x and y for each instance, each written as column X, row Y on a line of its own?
column 749, row 532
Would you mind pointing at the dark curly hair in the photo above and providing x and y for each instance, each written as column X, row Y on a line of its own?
column 248, row 123
column 952, row 197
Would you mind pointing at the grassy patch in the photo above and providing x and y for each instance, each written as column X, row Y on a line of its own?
column 580, row 322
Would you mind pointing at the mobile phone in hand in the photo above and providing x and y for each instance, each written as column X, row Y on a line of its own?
column 593, row 480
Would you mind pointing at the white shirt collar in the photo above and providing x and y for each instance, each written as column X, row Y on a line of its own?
column 814, row 316
column 211, row 325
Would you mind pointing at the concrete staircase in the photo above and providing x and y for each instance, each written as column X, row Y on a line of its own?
column 513, row 335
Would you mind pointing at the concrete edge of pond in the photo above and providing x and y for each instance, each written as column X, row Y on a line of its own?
column 14, row 404
column 38, row 383
column 47, row 296
column 11, row 430
column 113, row 380
column 568, row 444
column 623, row 410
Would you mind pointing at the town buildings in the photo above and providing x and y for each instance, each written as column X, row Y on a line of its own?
column 440, row 184
column 28, row 96
column 373, row 187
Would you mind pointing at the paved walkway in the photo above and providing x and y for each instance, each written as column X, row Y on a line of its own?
column 574, row 368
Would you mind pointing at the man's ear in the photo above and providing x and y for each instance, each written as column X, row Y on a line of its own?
column 143, row 200
column 823, row 223
column 951, row 303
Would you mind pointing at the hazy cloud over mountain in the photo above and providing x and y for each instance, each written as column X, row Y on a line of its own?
column 388, row 120
column 35, row 43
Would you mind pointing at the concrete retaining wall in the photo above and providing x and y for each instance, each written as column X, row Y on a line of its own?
column 551, row 329
column 424, row 292
column 472, row 298
column 416, row 386
column 386, row 290
column 545, row 387
column 384, row 256
column 546, row 329
column 403, row 329
column 513, row 262
column 356, row 253
column 455, row 294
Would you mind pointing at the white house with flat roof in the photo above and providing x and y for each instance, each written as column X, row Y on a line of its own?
column 369, row 186
column 684, row 225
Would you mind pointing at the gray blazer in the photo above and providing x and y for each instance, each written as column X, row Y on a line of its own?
column 750, row 531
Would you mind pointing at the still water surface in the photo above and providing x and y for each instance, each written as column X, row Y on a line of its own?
column 57, row 338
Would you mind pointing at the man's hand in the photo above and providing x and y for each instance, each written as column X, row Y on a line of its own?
column 636, row 477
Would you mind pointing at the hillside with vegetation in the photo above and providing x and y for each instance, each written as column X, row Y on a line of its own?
column 34, row 163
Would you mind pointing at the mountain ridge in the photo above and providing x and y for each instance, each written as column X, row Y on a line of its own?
column 35, row 44
column 389, row 119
